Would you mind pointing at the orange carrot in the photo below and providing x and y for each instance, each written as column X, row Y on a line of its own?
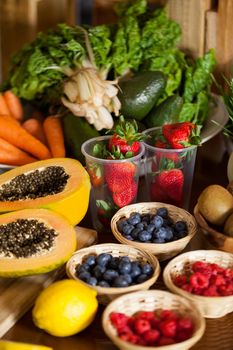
column 3, row 106
column 54, row 134
column 14, row 105
column 12, row 155
column 15, row 134
column 35, row 128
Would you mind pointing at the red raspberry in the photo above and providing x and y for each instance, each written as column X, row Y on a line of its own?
column 146, row 315
column 199, row 280
column 168, row 328
column 226, row 290
column 183, row 335
column 211, row 291
column 228, row 273
column 217, row 280
column 216, row 269
column 199, row 266
column 118, row 319
column 151, row 336
column 124, row 330
column 187, row 287
column 141, row 341
column 141, row 326
column 180, row 280
column 131, row 321
column 166, row 341
column 185, row 323
column 130, row 337
column 168, row 315
column 155, row 322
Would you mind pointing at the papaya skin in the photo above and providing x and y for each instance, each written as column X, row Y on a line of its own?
column 72, row 202
column 64, row 245
column 10, row 345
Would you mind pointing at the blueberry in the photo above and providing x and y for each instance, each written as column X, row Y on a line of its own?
column 110, row 275
column 142, row 278
column 144, row 236
column 170, row 233
column 82, row 268
column 161, row 233
column 121, row 223
column 157, row 221
column 127, row 229
column 135, row 232
column 90, row 260
column 125, row 258
column 158, row 240
column 180, row 226
column 113, row 264
column 134, row 219
column 104, row 284
column 92, row 281
column 163, row 212
column 129, row 237
column 84, row 276
column 103, row 259
column 124, row 267
column 146, row 218
column 150, row 228
column 135, row 270
column 147, row 269
column 181, row 234
column 140, row 226
column 120, row 282
column 128, row 278
column 98, row 271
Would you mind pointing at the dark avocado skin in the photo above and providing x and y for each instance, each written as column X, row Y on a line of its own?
column 166, row 113
column 140, row 93
column 76, row 131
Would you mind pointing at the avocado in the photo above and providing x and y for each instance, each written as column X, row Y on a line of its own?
column 166, row 113
column 76, row 131
column 140, row 93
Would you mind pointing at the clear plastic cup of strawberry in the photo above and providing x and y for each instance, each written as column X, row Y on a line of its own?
column 114, row 182
column 168, row 171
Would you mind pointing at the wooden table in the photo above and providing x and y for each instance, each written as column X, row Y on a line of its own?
column 210, row 169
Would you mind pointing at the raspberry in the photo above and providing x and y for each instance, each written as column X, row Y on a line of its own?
column 180, row 280
column 199, row 280
column 131, row 321
column 199, row 266
column 183, row 335
column 151, row 336
column 166, row 341
column 155, row 323
column 168, row 315
column 185, row 323
column 130, row 337
column 146, row 315
column 217, row 280
column 187, row 287
column 141, row 326
column 228, row 273
column 124, row 330
column 216, row 269
column 211, row 291
column 225, row 290
column 168, row 328
column 118, row 319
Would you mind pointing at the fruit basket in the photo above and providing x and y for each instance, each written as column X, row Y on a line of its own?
column 106, row 294
column 162, row 251
column 152, row 300
column 210, row 307
column 218, row 239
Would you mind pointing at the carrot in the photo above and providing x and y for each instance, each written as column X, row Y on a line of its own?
column 14, row 105
column 3, row 106
column 35, row 128
column 12, row 155
column 15, row 134
column 54, row 134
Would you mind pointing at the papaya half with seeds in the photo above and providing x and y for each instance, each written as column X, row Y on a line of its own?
column 34, row 241
column 11, row 345
column 58, row 184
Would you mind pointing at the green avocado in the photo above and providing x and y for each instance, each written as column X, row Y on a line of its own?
column 167, row 112
column 140, row 93
column 76, row 131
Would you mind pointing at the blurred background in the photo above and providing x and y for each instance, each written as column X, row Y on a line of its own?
column 205, row 24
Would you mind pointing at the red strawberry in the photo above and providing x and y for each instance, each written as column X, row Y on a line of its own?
column 119, row 176
column 180, row 135
column 157, row 194
column 171, row 182
column 125, row 138
column 125, row 197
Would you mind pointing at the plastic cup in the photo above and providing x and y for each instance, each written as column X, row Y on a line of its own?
column 114, row 182
column 168, row 172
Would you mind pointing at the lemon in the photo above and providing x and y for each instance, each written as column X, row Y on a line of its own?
column 10, row 345
column 65, row 308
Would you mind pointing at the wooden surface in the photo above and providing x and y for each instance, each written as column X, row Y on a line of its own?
column 17, row 295
column 210, row 168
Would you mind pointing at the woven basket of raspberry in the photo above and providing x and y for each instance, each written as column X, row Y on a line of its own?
column 153, row 319
column 205, row 277
column 113, row 269
column 161, row 229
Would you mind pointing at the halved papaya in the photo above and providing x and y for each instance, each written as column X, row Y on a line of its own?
column 59, row 184
column 11, row 345
column 34, row 241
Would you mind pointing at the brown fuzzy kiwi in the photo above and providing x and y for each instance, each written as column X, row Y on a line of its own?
column 215, row 203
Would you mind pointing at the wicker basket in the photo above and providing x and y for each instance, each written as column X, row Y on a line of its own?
column 210, row 307
column 217, row 239
column 105, row 295
column 149, row 301
column 162, row 251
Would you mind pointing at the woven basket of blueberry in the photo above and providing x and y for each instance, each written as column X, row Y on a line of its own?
column 161, row 229
column 113, row 269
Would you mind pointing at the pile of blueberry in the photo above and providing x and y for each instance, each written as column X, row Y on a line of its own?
column 104, row 270
column 152, row 228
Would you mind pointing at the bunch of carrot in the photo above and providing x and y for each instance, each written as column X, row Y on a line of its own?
column 23, row 142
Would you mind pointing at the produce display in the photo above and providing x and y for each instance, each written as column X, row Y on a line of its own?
column 105, row 270
column 152, row 228
column 206, row 279
column 153, row 328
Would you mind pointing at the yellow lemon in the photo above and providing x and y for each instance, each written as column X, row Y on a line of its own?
column 65, row 308
column 10, row 345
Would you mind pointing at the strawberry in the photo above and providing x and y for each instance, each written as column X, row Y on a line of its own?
column 181, row 135
column 119, row 176
column 125, row 138
column 171, row 182
column 125, row 197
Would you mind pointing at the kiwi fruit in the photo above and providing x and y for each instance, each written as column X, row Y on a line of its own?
column 228, row 227
column 215, row 203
